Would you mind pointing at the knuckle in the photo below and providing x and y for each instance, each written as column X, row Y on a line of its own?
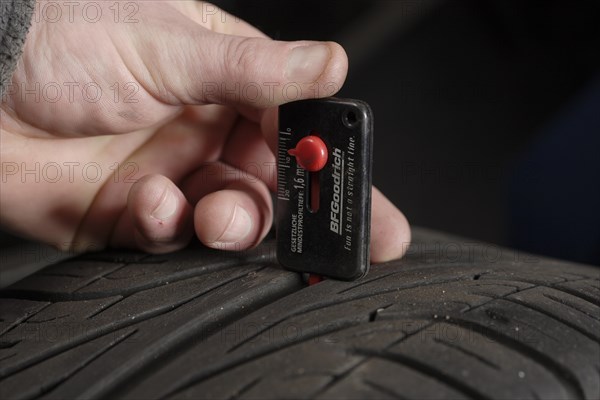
column 241, row 57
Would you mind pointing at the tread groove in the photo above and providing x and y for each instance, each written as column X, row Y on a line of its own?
column 241, row 360
column 561, row 373
column 556, row 318
column 567, row 304
column 384, row 390
column 104, row 390
column 60, row 275
column 556, row 286
column 326, row 304
column 335, row 379
column 575, row 293
column 49, row 319
column 8, row 356
column 93, row 335
column 88, row 361
column 105, row 308
column 100, row 277
column 23, row 320
column 7, row 344
column 468, row 353
column 427, row 370
column 366, row 282
column 245, row 389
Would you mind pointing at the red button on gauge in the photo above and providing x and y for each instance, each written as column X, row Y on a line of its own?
column 310, row 153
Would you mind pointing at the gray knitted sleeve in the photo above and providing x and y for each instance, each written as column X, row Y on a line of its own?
column 15, row 19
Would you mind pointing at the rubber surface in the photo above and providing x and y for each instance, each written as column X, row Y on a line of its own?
column 453, row 319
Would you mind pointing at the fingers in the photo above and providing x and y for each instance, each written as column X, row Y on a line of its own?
column 160, row 214
column 235, row 218
column 265, row 73
column 390, row 232
column 310, row 69
column 247, row 150
column 235, row 64
column 268, row 119
column 233, row 209
column 269, row 125
column 235, row 213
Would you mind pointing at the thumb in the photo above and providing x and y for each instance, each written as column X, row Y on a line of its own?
column 264, row 73
column 259, row 72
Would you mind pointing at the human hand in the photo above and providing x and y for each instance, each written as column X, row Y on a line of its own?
column 155, row 123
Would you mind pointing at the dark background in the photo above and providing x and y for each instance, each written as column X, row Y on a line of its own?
column 486, row 112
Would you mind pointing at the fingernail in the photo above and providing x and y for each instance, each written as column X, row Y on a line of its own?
column 307, row 63
column 166, row 208
column 239, row 227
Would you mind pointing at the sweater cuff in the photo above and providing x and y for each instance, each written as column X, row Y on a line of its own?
column 15, row 19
